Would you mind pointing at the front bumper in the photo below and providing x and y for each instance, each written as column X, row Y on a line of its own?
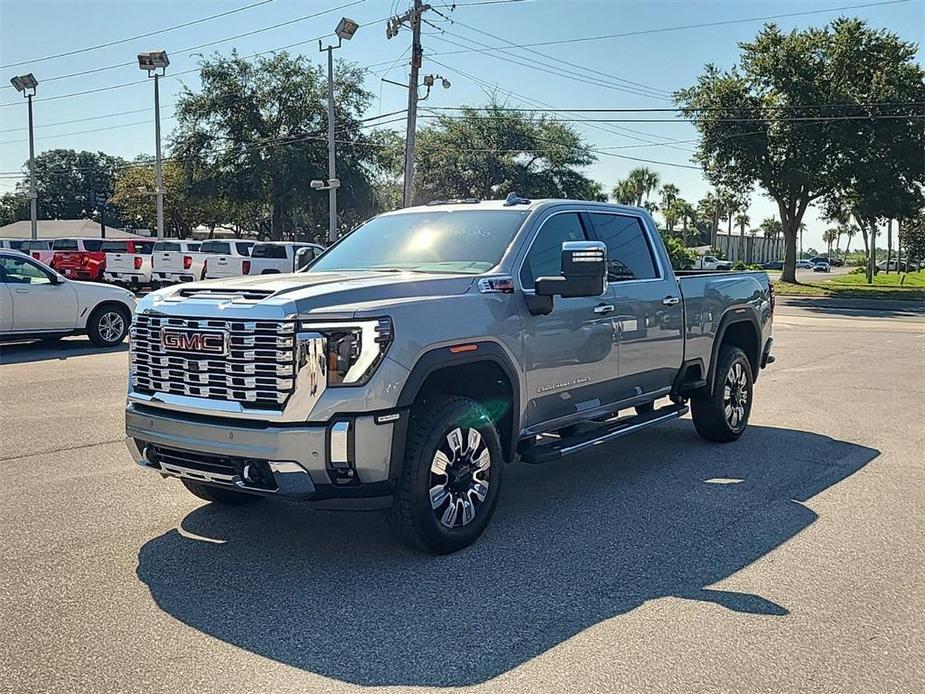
column 341, row 464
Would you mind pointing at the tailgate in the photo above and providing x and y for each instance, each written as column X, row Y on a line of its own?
column 68, row 258
column 168, row 261
column 224, row 266
column 120, row 262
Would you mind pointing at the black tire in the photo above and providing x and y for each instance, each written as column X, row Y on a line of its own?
column 437, row 529
column 219, row 495
column 709, row 409
column 108, row 325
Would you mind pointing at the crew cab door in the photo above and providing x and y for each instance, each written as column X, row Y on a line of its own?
column 648, row 311
column 40, row 301
column 570, row 355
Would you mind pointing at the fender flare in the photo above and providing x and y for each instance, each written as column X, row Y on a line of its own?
column 741, row 313
column 440, row 358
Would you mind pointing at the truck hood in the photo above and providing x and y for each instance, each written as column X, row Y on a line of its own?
column 304, row 292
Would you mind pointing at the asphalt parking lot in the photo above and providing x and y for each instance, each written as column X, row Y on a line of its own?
column 791, row 560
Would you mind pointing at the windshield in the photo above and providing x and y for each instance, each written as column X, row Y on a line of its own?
column 459, row 241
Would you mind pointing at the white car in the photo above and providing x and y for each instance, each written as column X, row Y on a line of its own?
column 37, row 302
column 177, row 261
column 805, row 265
column 128, row 262
column 281, row 256
column 226, row 258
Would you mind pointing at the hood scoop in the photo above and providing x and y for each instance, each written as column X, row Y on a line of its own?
column 228, row 293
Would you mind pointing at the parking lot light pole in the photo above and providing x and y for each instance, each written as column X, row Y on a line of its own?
column 152, row 61
column 26, row 84
column 345, row 30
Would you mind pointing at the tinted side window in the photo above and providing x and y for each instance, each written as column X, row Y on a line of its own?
column 144, row 247
column 65, row 245
column 268, row 250
column 92, row 246
column 114, row 246
column 545, row 256
column 628, row 254
column 244, row 248
column 192, row 247
column 166, row 246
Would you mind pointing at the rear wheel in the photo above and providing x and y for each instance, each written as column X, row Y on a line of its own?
column 451, row 475
column 219, row 495
column 722, row 414
column 108, row 325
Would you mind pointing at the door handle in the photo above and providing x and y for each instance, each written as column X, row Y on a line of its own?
column 671, row 300
column 603, row 308
column 22, row 291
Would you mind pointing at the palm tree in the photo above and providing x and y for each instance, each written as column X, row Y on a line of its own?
column 802, row 228
column 650, row 206
column 742, row 221
column 624, row 192
column 686, row 213
column 850, row 232
column 644, row 181
column 829, row 236
column 669, row 193
column 672, row 214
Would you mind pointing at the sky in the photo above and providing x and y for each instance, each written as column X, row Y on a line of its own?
column 638, row 70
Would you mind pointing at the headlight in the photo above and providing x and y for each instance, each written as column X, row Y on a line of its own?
column 353, row 350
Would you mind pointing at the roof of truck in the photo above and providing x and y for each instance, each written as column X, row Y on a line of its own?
column 520, row 204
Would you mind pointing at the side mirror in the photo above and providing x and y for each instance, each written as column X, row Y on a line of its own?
column 303, row 258
column 584, row 273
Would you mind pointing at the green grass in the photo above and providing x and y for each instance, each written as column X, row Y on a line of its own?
column 856, row 287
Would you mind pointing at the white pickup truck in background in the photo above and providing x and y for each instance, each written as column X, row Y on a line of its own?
column 177, row 261
column 226, row 258
column 274, row 257
column 709, row 262
column 128, row 262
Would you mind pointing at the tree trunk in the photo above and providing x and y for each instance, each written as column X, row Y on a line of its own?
column 872, row 268
column 741, row 243
column 789, row 273
column 866, row 239
column 889, row 243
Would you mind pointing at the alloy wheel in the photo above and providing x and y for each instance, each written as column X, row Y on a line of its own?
column 735, row 395
column 112, row 326
column 459, row 474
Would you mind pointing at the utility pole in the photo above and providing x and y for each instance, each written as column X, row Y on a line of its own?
column 413, row 18
column 159, row 175
column 25, row 85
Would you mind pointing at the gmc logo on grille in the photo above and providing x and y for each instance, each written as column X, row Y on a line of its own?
column 188, row 341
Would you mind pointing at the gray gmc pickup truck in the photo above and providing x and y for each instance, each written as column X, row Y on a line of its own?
column 430, row 346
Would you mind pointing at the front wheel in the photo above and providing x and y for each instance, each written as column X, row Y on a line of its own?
column 449, row 483
column 721, row 415
column 108, row 325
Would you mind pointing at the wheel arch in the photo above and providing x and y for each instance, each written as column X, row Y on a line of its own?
column 738, row 327
column 105, row 303
column 483, row 372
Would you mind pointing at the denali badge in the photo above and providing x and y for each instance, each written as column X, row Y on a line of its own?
column 190, row 341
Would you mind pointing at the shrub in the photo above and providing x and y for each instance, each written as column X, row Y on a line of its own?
column 739, row 265
column 682, row 257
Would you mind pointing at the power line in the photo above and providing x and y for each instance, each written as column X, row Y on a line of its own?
column 561, row 60
column 701, row 25
column 191, row 48
column 137, row 36
column 723, row 120
column 679, row 109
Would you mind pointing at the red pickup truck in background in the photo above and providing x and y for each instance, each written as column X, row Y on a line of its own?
column 79, row 259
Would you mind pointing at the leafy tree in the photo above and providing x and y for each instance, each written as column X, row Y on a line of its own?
column 748, row 116
column 255, row 135
column 490, row 152
column 687, row 214
column 66, row 182
column 134, row 197
column 912, row 237
column 682, row 257
column 830, row 236
column 13, row 208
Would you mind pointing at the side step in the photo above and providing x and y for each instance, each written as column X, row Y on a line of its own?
column 561, row 447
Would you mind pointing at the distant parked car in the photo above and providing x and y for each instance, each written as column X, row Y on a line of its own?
column 821, row 266
column 11, row 244
column 177, row 261
column 836, row 262
column 899, row 266
column 79, row 259
column 709, row 262
column 40, row 250
column 128, row 262
column 281, row 256
column 773, row 265
column 804, row 265
column 226, row 258
column 818, row 259
column 38, row 303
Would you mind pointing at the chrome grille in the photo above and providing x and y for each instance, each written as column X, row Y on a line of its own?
column 258, row 370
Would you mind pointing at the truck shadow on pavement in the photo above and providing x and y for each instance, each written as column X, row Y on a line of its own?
column 27, row 352
column 571, row 544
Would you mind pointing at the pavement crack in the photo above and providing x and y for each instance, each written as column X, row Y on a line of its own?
column 32, row 454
